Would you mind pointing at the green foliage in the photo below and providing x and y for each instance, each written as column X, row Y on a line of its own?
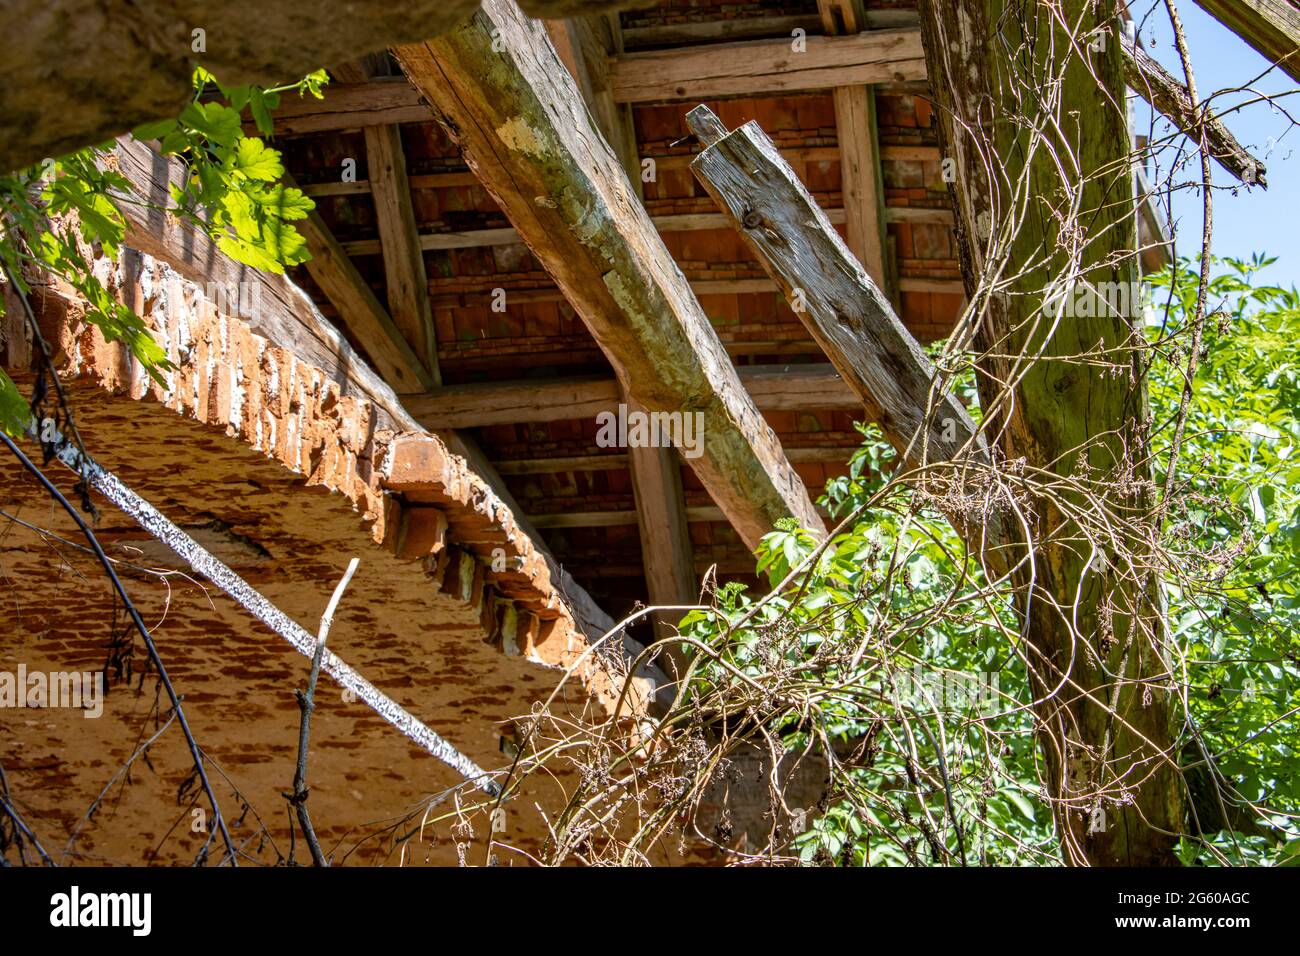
column 894, row 596
column 1235, row 520
column 57, row 215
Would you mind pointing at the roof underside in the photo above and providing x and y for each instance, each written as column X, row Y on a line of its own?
column 579, row 495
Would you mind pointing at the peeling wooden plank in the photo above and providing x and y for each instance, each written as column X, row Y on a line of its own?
column 832, row 294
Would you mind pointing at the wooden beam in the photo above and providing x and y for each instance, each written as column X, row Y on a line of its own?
column 842, row 308
column 1006, row 122
column 550, row 466
column 332, row 270
column 519, row 118
column 821, row 455
column 584, row 45
column 796, row 154
column 380, row 102
column 678, row 34
column 618, row 519
column 860, row 179
column 1272, row 27
column 1166, row 95
column 674, row 222
column 769, row 67
column 405, row 278
column 772, row 387
column 614, row 519
column 666, row 550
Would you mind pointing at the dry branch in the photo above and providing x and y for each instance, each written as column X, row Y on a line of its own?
column 1166, row 95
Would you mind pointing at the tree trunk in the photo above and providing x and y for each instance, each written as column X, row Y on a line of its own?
column 1036, row 128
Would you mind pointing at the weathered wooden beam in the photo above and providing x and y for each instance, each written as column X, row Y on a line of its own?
column 1166, row 95
column 672, row 222
column 507, row 100
column 772, row 388
column 619, row 519
column 821, row 455
column 666, row 551
column 702, row 287
column 794, row 154
column 379, row 102
column 831, row 293
column 584, row 45
column 1006, row 122
column 1272, row 27
column 742, row 28
column 332, row 270
column 855, row 124
column 405, row 278
column 767, row 67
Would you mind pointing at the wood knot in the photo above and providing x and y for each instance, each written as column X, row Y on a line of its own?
column 751, row 219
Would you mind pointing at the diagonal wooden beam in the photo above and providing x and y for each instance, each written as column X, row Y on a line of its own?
column 1272, row 27
column 1166, row 95
column 363, row 313
column 504, row 96
column 399, row 236
column 829, row 290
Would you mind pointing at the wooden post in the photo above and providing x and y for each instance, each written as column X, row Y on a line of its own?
column 1006, row 122
column 855, row 124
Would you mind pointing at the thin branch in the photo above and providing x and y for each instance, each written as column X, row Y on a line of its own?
column 307, row 703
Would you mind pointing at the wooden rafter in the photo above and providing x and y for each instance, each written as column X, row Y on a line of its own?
column 767, row 67
column 772, row 388
column 794, row 154
column 399, row 236
column 743, row 28
column 835, row 298
column 821, row 455
column 674, row 222
column 332, row 270
column 501, row 91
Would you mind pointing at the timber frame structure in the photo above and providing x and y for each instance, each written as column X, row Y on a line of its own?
column 515, row 235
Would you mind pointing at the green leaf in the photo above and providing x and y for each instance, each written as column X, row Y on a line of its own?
column 255, row 160
column 216, row 121
column 14, row 412
column 155, row 130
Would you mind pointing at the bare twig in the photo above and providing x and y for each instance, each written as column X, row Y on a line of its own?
column 307, row 703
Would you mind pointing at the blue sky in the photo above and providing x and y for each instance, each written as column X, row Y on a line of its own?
column 1251, row 221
